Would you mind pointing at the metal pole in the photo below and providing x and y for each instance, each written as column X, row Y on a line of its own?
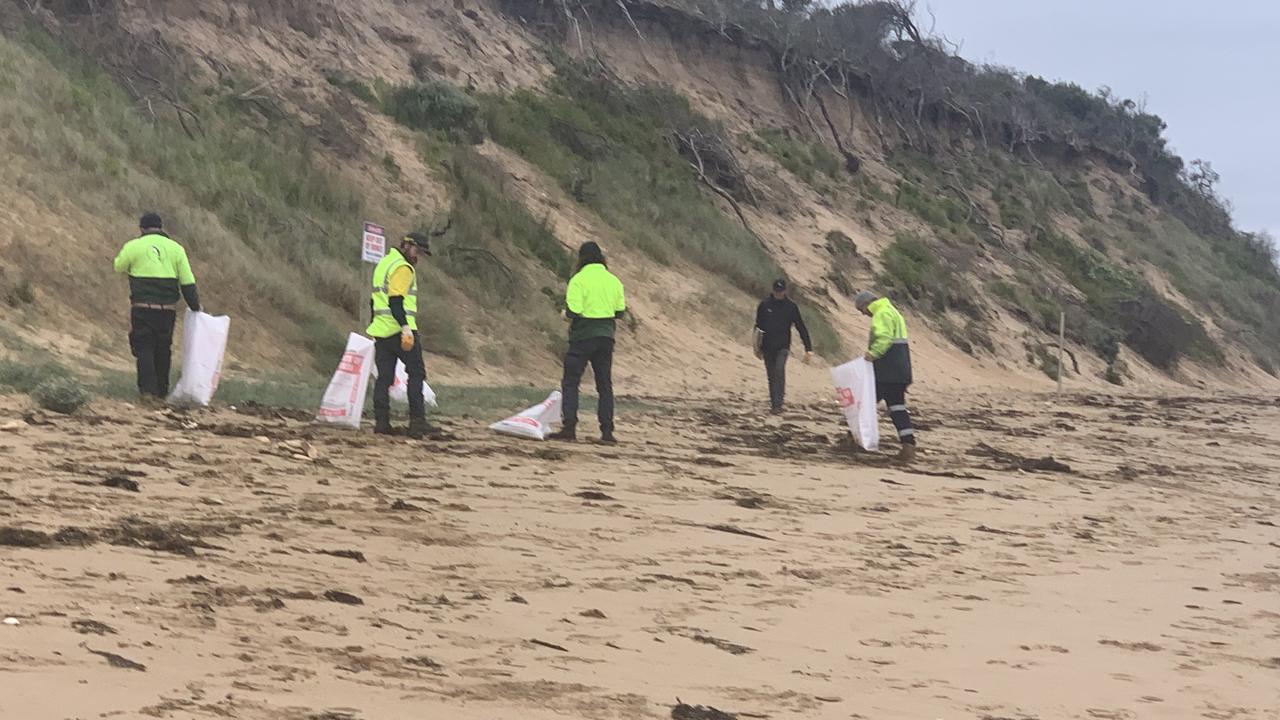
column 360, row 296
column 1062, row 342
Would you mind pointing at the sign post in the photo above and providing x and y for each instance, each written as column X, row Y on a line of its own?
column 373, row 246
column 1062, row 342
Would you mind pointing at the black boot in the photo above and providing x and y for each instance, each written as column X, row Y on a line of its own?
column 607, row 438
column 420, row 428
column 382, row 427
column 566, row 434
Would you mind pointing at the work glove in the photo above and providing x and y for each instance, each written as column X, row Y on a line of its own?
column 406, row 339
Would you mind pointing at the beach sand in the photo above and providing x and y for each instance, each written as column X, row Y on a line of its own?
column 269, row 568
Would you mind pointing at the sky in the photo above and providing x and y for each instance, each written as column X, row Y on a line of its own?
column 1209, row 69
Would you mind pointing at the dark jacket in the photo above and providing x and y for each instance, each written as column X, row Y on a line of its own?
column 775, row 317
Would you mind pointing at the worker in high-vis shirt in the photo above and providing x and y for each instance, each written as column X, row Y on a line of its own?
column 594, row 302
column 890, row 354
column 394, row 329
column 159, row 276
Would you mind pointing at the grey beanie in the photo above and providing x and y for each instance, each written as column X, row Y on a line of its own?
column 864, row 298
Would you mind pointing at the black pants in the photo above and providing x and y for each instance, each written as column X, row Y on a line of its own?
column 599, row 353
column 151, row 340
column 386, row 352
column 894, row 395
column 775, row 366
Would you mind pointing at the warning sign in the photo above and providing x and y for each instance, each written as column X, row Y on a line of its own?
column 373, row 244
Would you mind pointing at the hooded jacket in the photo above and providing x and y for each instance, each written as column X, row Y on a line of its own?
column 888, row 343
column 595, row 299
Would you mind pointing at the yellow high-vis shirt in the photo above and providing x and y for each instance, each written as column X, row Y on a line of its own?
column 400, row 281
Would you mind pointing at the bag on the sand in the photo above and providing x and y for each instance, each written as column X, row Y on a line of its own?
column 856, row 390
column 343, row 402
column 204, row 342
column 400, row 387
column 535, row 422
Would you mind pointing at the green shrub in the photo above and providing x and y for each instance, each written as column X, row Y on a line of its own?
column 356, row 87
column 434, row 105
column 955, row 335
column 61, row 394
column 1005, row 290
column 1114, row 373
column 1046, row 359
column 940, row 211
column 21, row 294
column 391, row 166
column 1013, row 213
column 915, row 274
column 1125, row 306
column 25, row 377
column 910, row 265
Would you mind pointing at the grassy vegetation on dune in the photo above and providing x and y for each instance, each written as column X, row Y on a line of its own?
column 303, row 392
column 243, row 185
column 808, row 160
column 1120, row 299
column 611, row 149
column 487, row 214
column 27, row 376
column 1119, row 304
column 827, row 343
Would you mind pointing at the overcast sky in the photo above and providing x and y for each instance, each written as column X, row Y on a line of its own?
column 1210, row 69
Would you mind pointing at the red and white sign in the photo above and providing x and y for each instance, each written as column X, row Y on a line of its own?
column 373, row 245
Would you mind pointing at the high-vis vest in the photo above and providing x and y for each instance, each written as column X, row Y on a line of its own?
column 384, row 325
column 889, row 344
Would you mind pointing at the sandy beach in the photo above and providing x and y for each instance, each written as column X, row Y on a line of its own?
column 1100, row 558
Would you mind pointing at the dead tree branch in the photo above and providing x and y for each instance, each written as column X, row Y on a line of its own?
column 700, row 167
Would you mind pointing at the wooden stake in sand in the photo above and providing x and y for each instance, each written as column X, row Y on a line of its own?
column 1062, row 343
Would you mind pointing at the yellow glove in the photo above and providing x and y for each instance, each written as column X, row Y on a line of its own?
column 406, row 339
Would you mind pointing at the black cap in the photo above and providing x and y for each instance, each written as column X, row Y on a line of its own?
column 421, row 240
column 779, row 284
column 150, row 220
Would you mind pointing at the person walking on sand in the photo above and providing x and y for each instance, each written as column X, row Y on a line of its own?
column 775, row 316
column 159, row 275
column 890, row 354
column 594, row 302
column 394, row 330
